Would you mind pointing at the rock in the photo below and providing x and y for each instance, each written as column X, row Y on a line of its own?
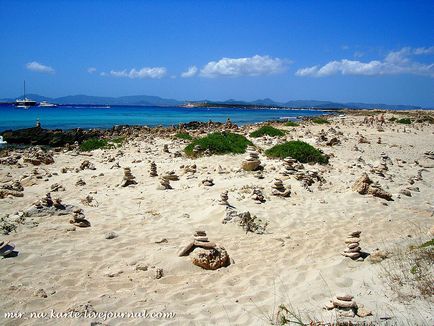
column 158, row 273
column 345, row 297
column 378, row 192
column 363, row 312
column 251, row 162
column 111, row 235
column 37, row 156
column 79, row 219
column 278, row 189
column 208, row 182
column 346, row 312
column 352, row 240
column 343, row 303
column 377, row 256
column 87, row 165
column 80, row 182
column 211, row 259
column 57, row 187
column 405, row 192
column 128, row 178
column 164, row 184
column 40, row 293
column 362, row 184
column 153, row 169
column 141, row 267
column 224, row 198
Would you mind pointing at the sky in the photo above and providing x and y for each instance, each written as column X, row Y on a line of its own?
column 344, row 51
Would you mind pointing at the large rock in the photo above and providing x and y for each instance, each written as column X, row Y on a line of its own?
column 362, row 184
column 212, row 258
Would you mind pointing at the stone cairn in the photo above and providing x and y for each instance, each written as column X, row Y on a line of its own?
column 164, row 184
column 289, row 168
column 172, row 176
column 251, row 162
column 257, row 196
column 208, row 182
column 278, row 189
column 80, row 182
column 205, row 254
column 224, row 198
column 353, row 249
column 153, row 169
column 128, row 178
column 79, row 219
column 166, row 148
column 196, row 150
column 346, row 306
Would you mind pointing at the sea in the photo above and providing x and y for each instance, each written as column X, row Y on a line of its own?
column 87, row 117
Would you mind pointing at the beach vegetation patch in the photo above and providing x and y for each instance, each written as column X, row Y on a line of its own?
column 218, row 143
column 93, row 144
column 183, row 135
column 320, row 121
column 267, row 130
column 405, row 121
column 291, row 124
column 299, row 150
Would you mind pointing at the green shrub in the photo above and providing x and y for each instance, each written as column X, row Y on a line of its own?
column 405, row 121
column 267, row 130
column 392, row 119
column 425, row 118
column 183, row 135
column 291, row 124
column 220, row 143
column 299, row 150
column 117, row 140
column 320, row 121
column 92, row 144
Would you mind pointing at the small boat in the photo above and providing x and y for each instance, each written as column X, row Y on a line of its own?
column 24, row 103
column 2, row 142
column 45, row 104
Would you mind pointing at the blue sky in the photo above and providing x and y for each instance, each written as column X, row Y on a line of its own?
column 359, row 51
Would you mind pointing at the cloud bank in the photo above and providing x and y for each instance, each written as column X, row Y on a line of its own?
column 251, row 66
column 191, row 71
column 396, row 62
column 91, row 70
column 38, row 67
column 146, row 72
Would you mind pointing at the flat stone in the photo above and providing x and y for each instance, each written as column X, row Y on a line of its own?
column 355, row 234
column 356, row 249
column 352, row 240
column 186, row 250
column 344, row 297
column 111, row 235
column 343, row 304
column 352, row 255
column 352, row 245
column 363, row 312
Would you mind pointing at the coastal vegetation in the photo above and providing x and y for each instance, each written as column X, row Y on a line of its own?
column 405, row 121
column 219, row 143
column 183, row 135
column 267, row 130
column 101, row 143
column 299, row 150
column 291, row 124
column 320, row 121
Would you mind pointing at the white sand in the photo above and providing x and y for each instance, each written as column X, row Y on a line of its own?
column 297, row 262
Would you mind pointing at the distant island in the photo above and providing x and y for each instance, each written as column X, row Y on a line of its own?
column 146, row 100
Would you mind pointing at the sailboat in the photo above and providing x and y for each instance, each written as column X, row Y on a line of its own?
column 24, row 103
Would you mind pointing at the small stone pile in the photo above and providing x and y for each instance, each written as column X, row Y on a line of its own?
column 257, row 196
column 278, row 189
column 79, row 219
column 208, row 182
column 57, row 187
column 172, row 176
column 205, row 254
column 14, row 189
column 353, row 249
column 153, row 169
column 87, row 165
column 37, row 156
column 224, row 198
column 80, row 182
column 364, row 185
column 128, row 178
column 164, row 184
column 363, row 140
column 346, row 306
column 289, row 168
column 196, row 150
column 251, row 162
column 166, row 148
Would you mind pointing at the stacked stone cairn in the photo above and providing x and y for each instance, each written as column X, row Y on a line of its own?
column 79, row 219
column 172, row 176
column 208, row 182
column 257, row 196
column 196, row 150
column 224, row 198
column 289, row 168
column 166, row 148
column 153, row 169
column 205, row 254
column 128, row 178
column 278, row 189
column 251, row 162
column 353, row 249
column 164, row 184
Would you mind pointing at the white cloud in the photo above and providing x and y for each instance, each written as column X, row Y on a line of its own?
column 191, row 71
column 38, row 67
column 252, row 66
column 146, row 72
column 91, row 70
column 395, row 62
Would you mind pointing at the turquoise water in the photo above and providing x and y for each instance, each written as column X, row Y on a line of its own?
column 69, row 117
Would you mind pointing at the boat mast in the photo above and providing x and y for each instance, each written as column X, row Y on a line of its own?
column 24, row 89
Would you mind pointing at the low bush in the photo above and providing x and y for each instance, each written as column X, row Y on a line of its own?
column 291, row 124
column 320, row 121
column 219, row 143
column 267, row 130
column 405, row 121
column 299, row 150
column 183, row 135
column 92, row 144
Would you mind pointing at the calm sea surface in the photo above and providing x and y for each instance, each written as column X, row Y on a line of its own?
column 69, row 117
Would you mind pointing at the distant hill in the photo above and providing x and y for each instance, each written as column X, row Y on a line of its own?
column 146, row 100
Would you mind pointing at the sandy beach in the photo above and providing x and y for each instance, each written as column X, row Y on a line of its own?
column 127, row 260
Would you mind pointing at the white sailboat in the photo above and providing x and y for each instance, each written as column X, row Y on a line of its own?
column 24, row 103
